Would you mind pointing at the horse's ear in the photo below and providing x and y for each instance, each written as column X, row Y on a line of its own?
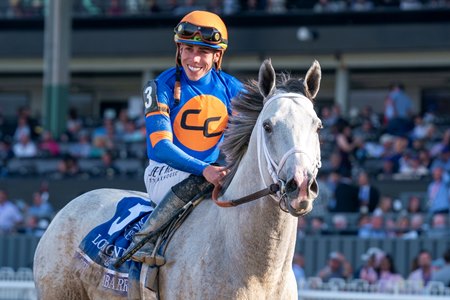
column 266, row 78
column 312, row 80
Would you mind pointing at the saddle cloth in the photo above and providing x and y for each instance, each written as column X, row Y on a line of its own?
column 98, row 251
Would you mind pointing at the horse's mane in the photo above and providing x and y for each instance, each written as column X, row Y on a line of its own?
column 246, row 108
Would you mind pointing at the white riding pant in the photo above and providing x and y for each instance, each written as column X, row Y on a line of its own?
column 159, row 178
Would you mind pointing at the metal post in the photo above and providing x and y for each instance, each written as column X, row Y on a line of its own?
column 57, row 35
column 342, row 88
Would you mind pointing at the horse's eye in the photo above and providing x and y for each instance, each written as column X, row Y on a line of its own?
column 267, row 127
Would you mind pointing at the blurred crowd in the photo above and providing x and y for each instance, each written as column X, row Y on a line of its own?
column 36, row 8
column 358, row 151
column 366, row 148
column 377, row 268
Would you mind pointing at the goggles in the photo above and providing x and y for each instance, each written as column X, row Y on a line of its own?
column 210, row 35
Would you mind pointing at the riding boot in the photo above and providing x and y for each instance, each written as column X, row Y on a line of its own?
column 177, row 197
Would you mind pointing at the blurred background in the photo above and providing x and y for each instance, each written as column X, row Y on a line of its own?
column 71, row 120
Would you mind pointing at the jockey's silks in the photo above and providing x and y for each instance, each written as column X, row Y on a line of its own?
column 186, row 135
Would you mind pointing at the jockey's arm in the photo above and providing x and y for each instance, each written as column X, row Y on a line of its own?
column 167, row 152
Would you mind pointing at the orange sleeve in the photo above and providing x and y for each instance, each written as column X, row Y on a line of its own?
column 157, row 136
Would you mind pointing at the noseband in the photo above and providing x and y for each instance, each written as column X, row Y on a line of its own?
column 277, row 189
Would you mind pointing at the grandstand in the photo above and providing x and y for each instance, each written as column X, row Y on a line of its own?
column 361, row 53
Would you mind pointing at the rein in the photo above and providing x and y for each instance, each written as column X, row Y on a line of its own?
column 277, row 189
column 271, row 190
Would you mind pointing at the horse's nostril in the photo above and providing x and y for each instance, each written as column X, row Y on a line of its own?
column 291, row 186
column 313, row 187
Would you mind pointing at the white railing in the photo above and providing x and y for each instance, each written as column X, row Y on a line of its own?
column 17, row 285
column 314, row 288
column 17, row 290
column 334, row 295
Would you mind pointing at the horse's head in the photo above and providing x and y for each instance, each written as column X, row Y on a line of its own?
column 288, row 140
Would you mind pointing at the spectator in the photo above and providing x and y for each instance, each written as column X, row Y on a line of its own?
column 120, row 123
column 215, row 6
column 425, row 159
column 10, row 216
column 384, row 206
column 368, row 195
column 332, row 182
column 48, row 145
column 131, row 134
column 398, row 110
column 337, row 267
column 423, row 272
column 329, row 6
column 439, row 227
column 115, row 8
column 402, row 225
column 438, row 147
column 107, row 169
column 230, row 7
column 83, row 147
column 253, row 5
column 104, row 136
column 361, row 5
column 329, row 119
column 410, row 4
column 341, row 226
column 443, row 161
column 360, row 152
column 298, row 266
column 388, row 277
column 25, row 147
column 345, row 146
column 387, row 170
column 438, row 193
column 187, row 7
column 23, row 128
column 413, row 205
column 443, row 274
column 276, row 6
column 422, row 129
column 68, row 167
column 151, row 7
column 416, row 227
column 368, row 271
column 40, row 208
column 375, row 229
column 38, row 215
column 346, row 196
column 318, row 226
column 15, row 9
column 412, row 166
column 74, row 125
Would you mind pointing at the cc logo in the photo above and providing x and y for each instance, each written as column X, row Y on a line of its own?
column 200, row 122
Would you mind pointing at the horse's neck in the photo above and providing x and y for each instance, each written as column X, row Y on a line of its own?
column 259, row 234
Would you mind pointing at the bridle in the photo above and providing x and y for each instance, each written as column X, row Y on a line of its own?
column 276, row 189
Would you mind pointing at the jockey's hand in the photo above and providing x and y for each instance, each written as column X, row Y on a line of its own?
column 215, row 174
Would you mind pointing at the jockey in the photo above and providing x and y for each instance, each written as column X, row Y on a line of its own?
column 186, row 112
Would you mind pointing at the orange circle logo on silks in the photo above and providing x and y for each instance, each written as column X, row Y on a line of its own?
column 200, row 122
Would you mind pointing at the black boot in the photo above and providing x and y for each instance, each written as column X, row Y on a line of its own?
column 177, row 197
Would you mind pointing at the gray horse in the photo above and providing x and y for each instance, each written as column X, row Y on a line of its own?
column 242, row 252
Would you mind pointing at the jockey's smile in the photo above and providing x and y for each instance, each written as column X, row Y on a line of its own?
column 197, row 60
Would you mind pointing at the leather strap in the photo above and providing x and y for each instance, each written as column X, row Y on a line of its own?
column 272, row 189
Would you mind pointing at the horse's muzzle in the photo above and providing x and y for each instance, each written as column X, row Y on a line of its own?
column 301, row 192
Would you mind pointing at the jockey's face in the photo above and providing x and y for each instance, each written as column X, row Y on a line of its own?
column 197, row 60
